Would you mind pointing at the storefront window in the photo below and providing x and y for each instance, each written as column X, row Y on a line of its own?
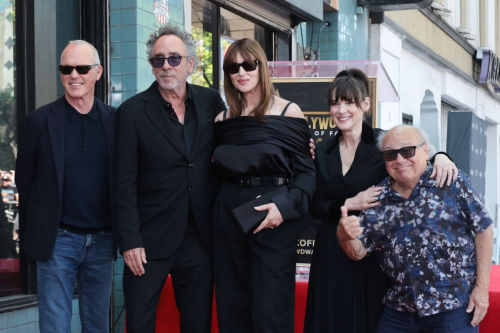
column 202, row 30
column 211, row 49
column 233, row 27
column 9, row 219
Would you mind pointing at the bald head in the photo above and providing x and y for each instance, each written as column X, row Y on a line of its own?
column 406, row 170
column 76, row 43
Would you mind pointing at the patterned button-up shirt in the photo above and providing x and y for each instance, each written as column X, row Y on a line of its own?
column 425, row 243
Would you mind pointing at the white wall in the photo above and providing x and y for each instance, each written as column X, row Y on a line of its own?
column 386, row 46
column 454, row 18
column 418, row 76
column 459, row 92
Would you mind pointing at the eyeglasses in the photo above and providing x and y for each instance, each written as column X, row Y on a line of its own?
column 405, row 152
column 174, row 61
column 81, row 69
column 235, row 68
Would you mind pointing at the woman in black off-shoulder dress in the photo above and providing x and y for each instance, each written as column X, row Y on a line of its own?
column 261, row 143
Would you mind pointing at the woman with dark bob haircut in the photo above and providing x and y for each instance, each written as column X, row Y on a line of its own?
column 346, row 295
column 261, row 145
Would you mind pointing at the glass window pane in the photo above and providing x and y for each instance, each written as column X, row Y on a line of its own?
column 201, row 29
column 234, row 27
column 9, row 220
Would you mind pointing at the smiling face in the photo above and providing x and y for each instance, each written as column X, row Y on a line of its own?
column 245, row 82
column 347, row 115
column 406, row 171
column 172, row 77
column 79, row 86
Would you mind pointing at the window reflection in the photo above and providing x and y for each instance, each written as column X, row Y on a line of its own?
column 233, row 27
column 201, row 29
column 9, row 219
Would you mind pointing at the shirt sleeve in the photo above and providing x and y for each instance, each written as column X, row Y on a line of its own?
column 471, row 206
column 295, row 202
column 368, row 237
column 321, row 206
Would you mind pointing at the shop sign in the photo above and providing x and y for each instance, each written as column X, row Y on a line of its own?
column 490, row 70
column 161, row 11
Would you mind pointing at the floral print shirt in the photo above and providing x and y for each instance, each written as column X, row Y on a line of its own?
column 425, row 243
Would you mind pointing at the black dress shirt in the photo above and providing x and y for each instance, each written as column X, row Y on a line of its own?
column 85, row 198
column 185, row 133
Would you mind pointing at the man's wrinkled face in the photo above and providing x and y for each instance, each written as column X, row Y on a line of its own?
column 172, row 77
column 406, row 170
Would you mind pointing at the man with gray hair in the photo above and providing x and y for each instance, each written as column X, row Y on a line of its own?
column 435, row 244
column 165, row 187
column 64, row 174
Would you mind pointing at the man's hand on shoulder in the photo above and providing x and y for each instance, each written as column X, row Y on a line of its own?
column 135, row 258
column 219, row 117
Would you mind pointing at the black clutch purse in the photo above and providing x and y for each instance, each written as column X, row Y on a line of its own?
column 248, row 218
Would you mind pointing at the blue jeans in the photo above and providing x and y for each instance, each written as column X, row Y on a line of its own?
column 454, row 321
column 88, row 260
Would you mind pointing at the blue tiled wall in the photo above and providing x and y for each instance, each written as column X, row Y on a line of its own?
column 131, row 22
column 345, row 39
column 26, row 320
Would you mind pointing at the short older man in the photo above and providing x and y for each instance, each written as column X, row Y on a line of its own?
column 435, row 244
column 64, row 177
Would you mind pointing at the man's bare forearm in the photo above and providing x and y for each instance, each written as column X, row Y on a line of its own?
column 484, row 252
column 353, row 248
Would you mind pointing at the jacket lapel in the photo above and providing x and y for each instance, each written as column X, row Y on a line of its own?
column 365, row 147
column 108, row 123
column 333, row 157
column 201, row 118
column 56, row 123
column 154, row 111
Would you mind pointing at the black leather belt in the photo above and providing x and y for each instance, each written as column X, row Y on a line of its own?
column 259, row 181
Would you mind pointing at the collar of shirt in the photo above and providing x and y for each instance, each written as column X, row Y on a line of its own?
column 424, row 181
column 166, row 104
column 73, row 114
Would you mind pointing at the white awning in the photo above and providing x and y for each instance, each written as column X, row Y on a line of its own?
column 386, row 92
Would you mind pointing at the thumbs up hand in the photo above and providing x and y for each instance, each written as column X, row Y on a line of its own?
column 349, row 227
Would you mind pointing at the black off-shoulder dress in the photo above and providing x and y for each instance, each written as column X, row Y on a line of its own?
column 255, row 274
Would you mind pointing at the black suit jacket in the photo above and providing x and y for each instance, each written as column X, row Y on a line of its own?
column 40, row 170
column 156, row 181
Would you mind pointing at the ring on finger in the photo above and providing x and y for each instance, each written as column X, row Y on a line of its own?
column 271, row 227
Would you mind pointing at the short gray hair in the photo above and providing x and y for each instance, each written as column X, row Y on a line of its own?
column 423, row 136
column 83, row 42
column 170, row 29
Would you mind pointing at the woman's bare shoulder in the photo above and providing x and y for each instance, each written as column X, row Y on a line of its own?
column 294, row 111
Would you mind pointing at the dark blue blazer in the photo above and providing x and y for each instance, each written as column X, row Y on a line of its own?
column 40, row 170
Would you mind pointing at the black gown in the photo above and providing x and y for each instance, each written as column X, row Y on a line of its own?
column 255, row 274
column 344, row 295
